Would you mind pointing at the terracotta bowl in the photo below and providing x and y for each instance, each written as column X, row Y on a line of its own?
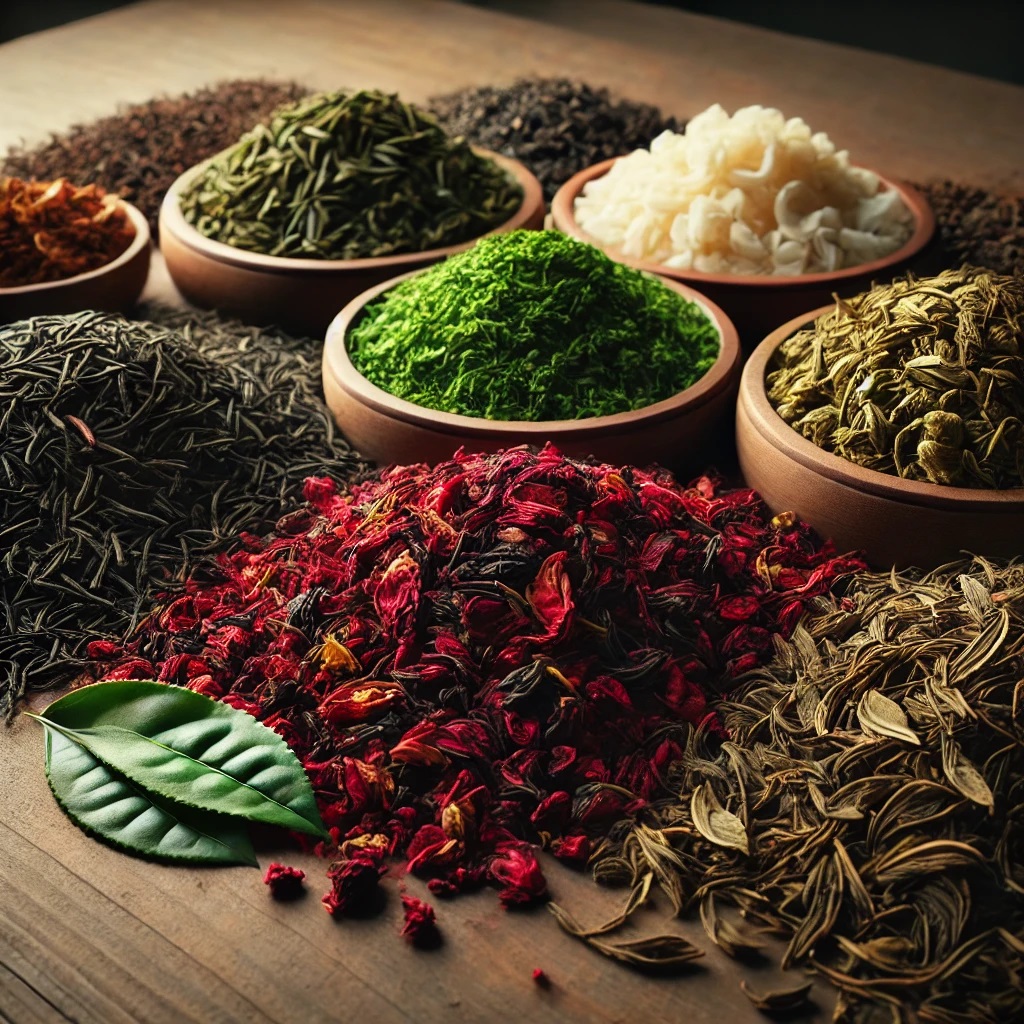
column 112, row 288
column 757, row 304
column 681, row 432
column 303, row 295
column 894, row 521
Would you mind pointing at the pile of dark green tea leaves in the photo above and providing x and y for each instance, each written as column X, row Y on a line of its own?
column 868, row 805
column 922, row 378
column 345, row 176
column 129, row 449
column 556, row 126
column 533, row 325
column 138, row 151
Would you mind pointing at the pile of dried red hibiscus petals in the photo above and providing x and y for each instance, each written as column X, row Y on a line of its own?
column 501, row 651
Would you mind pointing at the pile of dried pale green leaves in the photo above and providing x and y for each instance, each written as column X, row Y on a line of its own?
column 868, row 806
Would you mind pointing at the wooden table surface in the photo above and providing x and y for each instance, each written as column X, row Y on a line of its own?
column 87, row 934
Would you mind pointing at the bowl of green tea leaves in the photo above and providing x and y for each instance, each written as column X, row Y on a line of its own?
column 893, row 421
column 332, row 195
column 529, row 337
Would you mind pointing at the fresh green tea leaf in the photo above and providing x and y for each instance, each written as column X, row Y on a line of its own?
column 188, row 748
column 107, row 805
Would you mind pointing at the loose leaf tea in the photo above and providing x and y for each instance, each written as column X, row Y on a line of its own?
column 128, row 449
column 978, row 226
column 499, row 650
column 139, row 151
column 109, row 806
column 922, row 378
column 555, row 126
column 889, row 860
column 345, row 176
column 189, row 749
column 52, row 230
column 533, row 325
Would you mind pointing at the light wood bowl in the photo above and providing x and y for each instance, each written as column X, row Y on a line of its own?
column 302, row 295
column 112, row 288
column 758, row 303
column 896, row 522
column 680, row 432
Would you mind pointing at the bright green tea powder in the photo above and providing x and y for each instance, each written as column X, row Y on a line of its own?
column 533, row 325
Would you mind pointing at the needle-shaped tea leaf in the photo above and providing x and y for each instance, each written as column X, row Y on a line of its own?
column 190, row 749
column 107, row 805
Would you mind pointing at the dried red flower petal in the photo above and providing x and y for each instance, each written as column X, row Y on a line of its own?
column 495, row 651
column 420, row 925
column 354, row 884
column 285, row 882
column 519, row 877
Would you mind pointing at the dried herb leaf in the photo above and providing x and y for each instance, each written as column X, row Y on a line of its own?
column 882, row 716
column 962, row 775
column 716, row 824
column 780, row 1000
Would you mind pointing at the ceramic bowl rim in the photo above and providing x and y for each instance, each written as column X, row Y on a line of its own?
column 794, row 446
column 173, row 221
column 563, row 216
column 702, row 391
column 139, row 242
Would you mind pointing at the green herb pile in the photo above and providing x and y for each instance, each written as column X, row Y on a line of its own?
column 533, row 325
column 346, row 176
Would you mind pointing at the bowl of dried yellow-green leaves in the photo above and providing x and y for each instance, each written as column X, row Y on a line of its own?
column 893, row 422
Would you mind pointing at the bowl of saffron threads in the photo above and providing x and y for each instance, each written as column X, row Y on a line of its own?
column 893, row 421
column 531, row 337
column 66, row 247
column 760, row 214
column 334, row 194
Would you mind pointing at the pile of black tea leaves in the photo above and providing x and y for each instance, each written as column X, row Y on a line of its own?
column 555, row 126
column 138, row 151
column 128, row 449
column 978, row 226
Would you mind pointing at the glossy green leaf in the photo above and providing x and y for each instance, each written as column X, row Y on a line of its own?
column 107, row 805
column 188, row 748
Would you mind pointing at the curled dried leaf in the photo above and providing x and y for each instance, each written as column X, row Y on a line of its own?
column 716, row 824
column 882, row 716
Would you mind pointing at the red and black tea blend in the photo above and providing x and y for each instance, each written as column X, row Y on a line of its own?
column 500, row 651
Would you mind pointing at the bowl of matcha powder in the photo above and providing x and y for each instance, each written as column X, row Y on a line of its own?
column 528, row 337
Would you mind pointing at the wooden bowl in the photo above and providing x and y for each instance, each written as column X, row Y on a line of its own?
column 894, row 521
column 302, row 295
column 112, row 288
column 758, row 303
column 680, row 432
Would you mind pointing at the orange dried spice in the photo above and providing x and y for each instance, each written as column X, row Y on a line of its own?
column 52, row 230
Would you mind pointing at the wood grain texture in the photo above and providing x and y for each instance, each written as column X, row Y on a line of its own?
column 91, row 935
column 907, row 119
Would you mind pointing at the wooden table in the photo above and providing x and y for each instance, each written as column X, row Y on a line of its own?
column 87, row 934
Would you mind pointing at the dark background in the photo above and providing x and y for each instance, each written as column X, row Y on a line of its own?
column 985, row 37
